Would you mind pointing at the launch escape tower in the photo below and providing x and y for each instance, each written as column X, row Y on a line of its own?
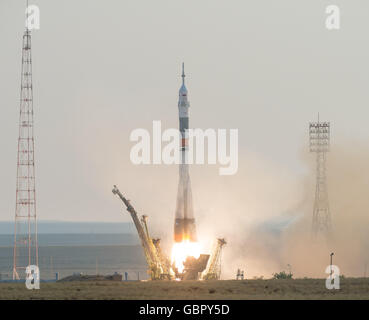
column 184, row 225
column 319, row 134
column 25, row 229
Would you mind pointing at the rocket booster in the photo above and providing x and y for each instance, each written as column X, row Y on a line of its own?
column 184, row 226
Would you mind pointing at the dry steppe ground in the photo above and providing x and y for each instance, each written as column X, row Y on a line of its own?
column 351, row 288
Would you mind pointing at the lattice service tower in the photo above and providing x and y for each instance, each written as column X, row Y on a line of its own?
column 319, row 134
column 25, row 231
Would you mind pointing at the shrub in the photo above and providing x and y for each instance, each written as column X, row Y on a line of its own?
column 282, row 275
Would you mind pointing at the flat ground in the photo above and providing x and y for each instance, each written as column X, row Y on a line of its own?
column 351, row 288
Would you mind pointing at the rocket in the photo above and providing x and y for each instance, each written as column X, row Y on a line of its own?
column 184, row 225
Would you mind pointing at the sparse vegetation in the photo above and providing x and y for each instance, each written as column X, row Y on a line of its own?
column 351, row 288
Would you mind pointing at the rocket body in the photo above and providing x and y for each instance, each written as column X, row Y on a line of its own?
column 184, row 225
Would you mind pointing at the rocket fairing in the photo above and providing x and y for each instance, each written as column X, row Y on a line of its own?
column 184, row 225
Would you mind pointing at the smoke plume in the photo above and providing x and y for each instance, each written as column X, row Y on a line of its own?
column 266, row 214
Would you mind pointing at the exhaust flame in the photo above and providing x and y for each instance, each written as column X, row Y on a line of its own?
column 182, row 250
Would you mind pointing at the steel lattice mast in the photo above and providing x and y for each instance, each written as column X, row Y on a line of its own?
column 25, row 230
column 319, row 133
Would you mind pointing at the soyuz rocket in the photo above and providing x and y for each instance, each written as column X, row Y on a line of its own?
column 184, row 225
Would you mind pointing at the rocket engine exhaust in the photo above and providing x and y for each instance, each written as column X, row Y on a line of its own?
column 184, row 230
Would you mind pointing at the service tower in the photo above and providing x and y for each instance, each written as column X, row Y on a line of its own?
column 25, row 230
column 319, row 143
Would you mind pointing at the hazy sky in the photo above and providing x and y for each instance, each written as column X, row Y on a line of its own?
column 104, row 68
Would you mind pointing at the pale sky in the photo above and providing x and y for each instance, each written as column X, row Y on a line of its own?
column 104, row 68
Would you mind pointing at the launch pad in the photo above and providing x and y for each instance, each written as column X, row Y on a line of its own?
column 160, row 267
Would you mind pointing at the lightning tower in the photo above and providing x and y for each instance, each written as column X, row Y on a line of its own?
column 319, row 134
column 25, row 230
column 184, row 226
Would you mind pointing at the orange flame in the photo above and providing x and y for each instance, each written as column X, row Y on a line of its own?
column 182, row 250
